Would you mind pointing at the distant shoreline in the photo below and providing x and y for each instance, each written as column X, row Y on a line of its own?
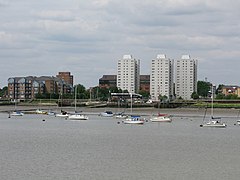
column 178, row 112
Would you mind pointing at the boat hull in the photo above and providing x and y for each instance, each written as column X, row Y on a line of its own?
column 161, row 119
column 62, row 115
column 17, row 114
column 121, row 116
column 40, row 112
column 106, row 114
column 133, row 122
column 78, row 117
column 51, row 113
column 214, row 124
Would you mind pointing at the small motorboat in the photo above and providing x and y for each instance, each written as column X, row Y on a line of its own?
column 161, row 118
column 121, row 116
column 238, row 122
column 39, row 111
column 77, row 116
column 51, row 113
column 106, row 114
column 134, row 120
column 17, row 113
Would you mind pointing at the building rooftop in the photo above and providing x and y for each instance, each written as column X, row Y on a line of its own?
column 186, row 56
column 127, row 56
column 144, row 77
column 161, row 56
column 109, row 77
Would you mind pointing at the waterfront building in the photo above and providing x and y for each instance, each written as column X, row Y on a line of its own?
column 231, row 90
column 24, row 88
column 20, row 88
column 145, row 83
column 161, row 83
column 107, row 81
column 128, row 74
column 186, row 77
column 66, row 76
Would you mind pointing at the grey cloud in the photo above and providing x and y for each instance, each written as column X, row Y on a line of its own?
column 71, row 33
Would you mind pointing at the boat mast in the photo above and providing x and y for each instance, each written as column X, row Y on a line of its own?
column 75, row 99
column 131, row 102
column 212, row 102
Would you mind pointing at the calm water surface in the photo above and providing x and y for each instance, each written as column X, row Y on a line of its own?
column 102, row 149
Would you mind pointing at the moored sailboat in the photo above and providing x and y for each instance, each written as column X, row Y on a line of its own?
column 16, row 112
column 214, row 122
column 76, row 115
column 161, row 118
column 134, row 120
column 63, row 114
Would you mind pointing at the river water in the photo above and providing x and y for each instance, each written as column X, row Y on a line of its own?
column 103, row 149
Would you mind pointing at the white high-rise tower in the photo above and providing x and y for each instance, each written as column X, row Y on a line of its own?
column 186, row 77
column 128, row 75
column 161, row 81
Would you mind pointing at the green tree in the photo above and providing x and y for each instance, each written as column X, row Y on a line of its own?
column 220, row 96
column 103, row 94
column 144, row 94
column 219, row 89
column 3, row 91
column 163, row 98
column 203, row 88
column 231, row 96
column 81, row 92
column 195, row 95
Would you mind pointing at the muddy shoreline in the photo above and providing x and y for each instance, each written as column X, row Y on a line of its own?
column 187, row 112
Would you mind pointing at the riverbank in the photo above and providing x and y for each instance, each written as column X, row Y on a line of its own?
column 147, row 111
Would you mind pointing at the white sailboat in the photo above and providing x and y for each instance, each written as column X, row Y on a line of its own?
column 62, row 114
column 118, row 114
column 121, row 115
column 238, row 122
column 39, row 111
column 133, row 119
column 161, row 117
column 50, row 112
column 214, row 122
column 16, row 112
column 76, row 115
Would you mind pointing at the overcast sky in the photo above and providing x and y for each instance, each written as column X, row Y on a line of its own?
column 87, row 37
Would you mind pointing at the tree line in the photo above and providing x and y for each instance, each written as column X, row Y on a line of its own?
column 204, row 91
column 103, row 94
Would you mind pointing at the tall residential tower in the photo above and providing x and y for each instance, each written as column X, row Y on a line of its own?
column 128, row 74
column 161, row 83
column 186, row 77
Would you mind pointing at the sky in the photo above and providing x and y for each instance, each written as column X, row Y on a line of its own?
column 87, row 37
